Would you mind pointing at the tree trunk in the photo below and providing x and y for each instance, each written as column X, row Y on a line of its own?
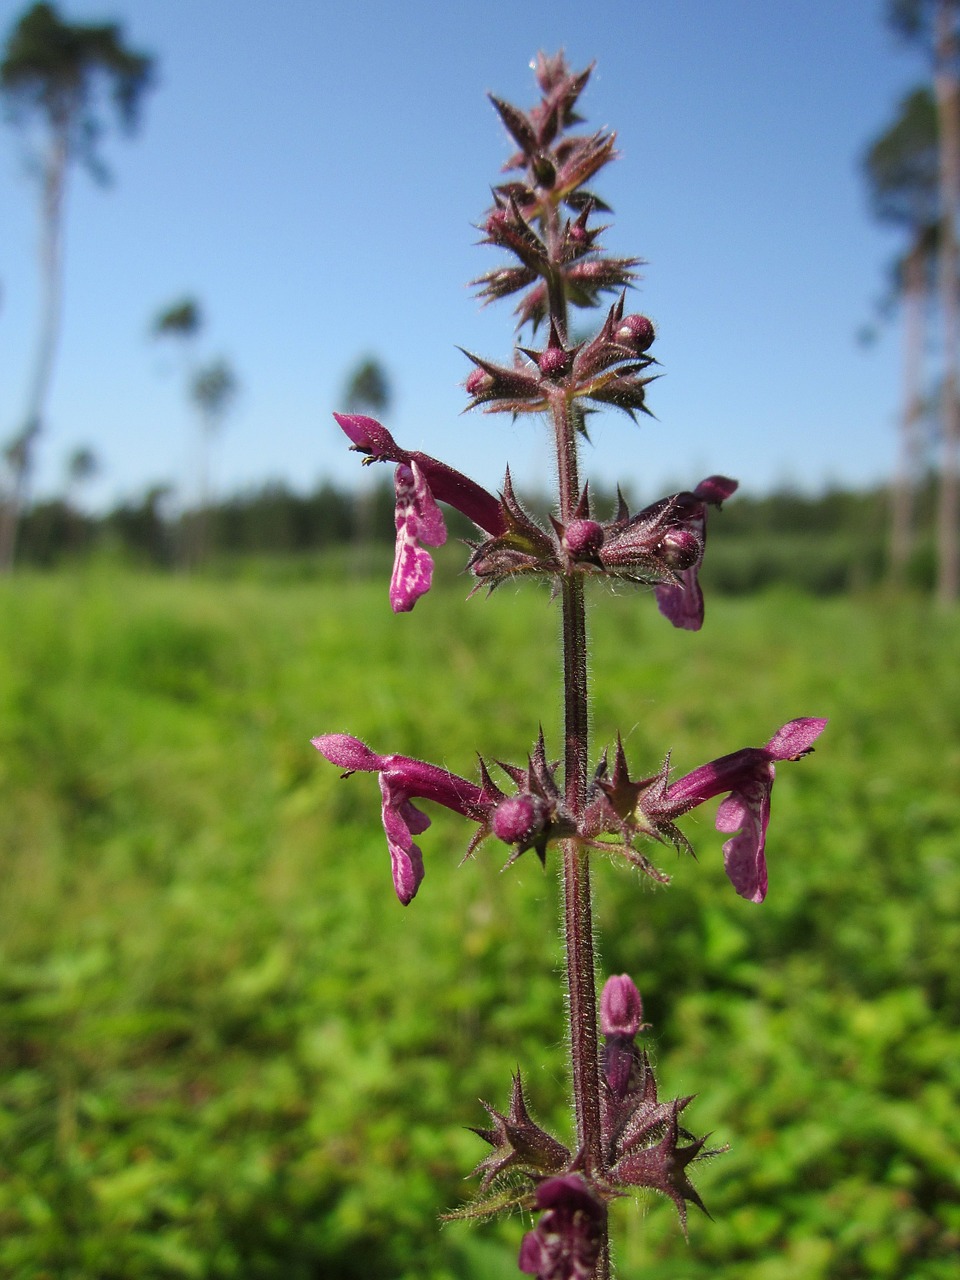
column 948, row 105
column 902, row 497
column 20, row 453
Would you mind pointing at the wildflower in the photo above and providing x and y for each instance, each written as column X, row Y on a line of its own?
column 566, row 1242
column 403, row 780
column 531, row 819
column 651, row 806
column 748, row 776
column 420, row 482
column 669, row 537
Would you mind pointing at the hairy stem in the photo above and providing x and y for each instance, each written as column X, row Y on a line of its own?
column 578, row 912
column 577, row 897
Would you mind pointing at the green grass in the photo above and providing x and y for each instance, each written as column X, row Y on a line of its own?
column 227, row 1051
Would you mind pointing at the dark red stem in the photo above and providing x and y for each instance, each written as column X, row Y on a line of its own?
column 577, row 897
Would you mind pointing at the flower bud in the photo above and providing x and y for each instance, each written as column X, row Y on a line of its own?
column 497, row 221
column 544, row 171
column 621, row 1008
column 582, row 539
column 635, row 332
column 478, row 382
column 519, row 819
column 553, row 362
column 681, row 548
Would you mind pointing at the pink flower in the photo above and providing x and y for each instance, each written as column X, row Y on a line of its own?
column 663, row 543
column 682, row 601
column 565, row 1244
column 403, row 780
column 748, row 776
column 420, row 482
column 533, row 818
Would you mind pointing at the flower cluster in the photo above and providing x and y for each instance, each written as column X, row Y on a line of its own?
column 553, row 165
column 644, row 1146
column 663, row 544
column 536, row 814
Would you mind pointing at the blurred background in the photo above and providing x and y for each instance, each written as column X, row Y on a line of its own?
column 225, row 1050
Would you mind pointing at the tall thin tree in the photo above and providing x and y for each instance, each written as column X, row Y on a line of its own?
column 213, row 389
column 53, row 75
column 936, row 25
column 367, row 390
column 901, row 168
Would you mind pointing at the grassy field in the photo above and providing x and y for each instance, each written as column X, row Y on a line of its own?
column 227, row 1051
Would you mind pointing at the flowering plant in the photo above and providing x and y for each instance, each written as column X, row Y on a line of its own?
column 543, row 217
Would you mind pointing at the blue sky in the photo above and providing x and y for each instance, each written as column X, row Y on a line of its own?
column 311, row 171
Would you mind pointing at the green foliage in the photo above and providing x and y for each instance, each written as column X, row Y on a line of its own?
column 830, row 543
column 53, row 70
column 227, row 1051
column 902, row 165
column 367, row 388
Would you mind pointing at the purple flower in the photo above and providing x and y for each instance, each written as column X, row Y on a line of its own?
column 747, row 776
column 565, row 1244
column 682, row 601
column 662, row 544
column 421, row 482
column 533, row 818
column 403, row 780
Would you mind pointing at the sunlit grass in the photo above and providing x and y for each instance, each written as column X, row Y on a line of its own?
column 228, row 1051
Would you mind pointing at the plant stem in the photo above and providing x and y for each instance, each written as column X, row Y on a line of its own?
column 577, row 904
column 577, row 897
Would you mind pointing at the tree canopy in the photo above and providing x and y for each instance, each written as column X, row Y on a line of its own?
column 55, row 72
column 901, row 166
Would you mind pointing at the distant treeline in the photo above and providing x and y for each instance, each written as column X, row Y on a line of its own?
column 832, row 542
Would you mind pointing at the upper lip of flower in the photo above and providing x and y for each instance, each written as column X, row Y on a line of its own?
column 446, row 484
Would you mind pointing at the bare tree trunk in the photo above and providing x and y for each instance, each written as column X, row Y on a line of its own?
column 948, row 105
column 20, row 452
column 902, row 497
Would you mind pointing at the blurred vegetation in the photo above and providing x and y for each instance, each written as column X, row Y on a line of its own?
column 227, row 1051
column 827, row 543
